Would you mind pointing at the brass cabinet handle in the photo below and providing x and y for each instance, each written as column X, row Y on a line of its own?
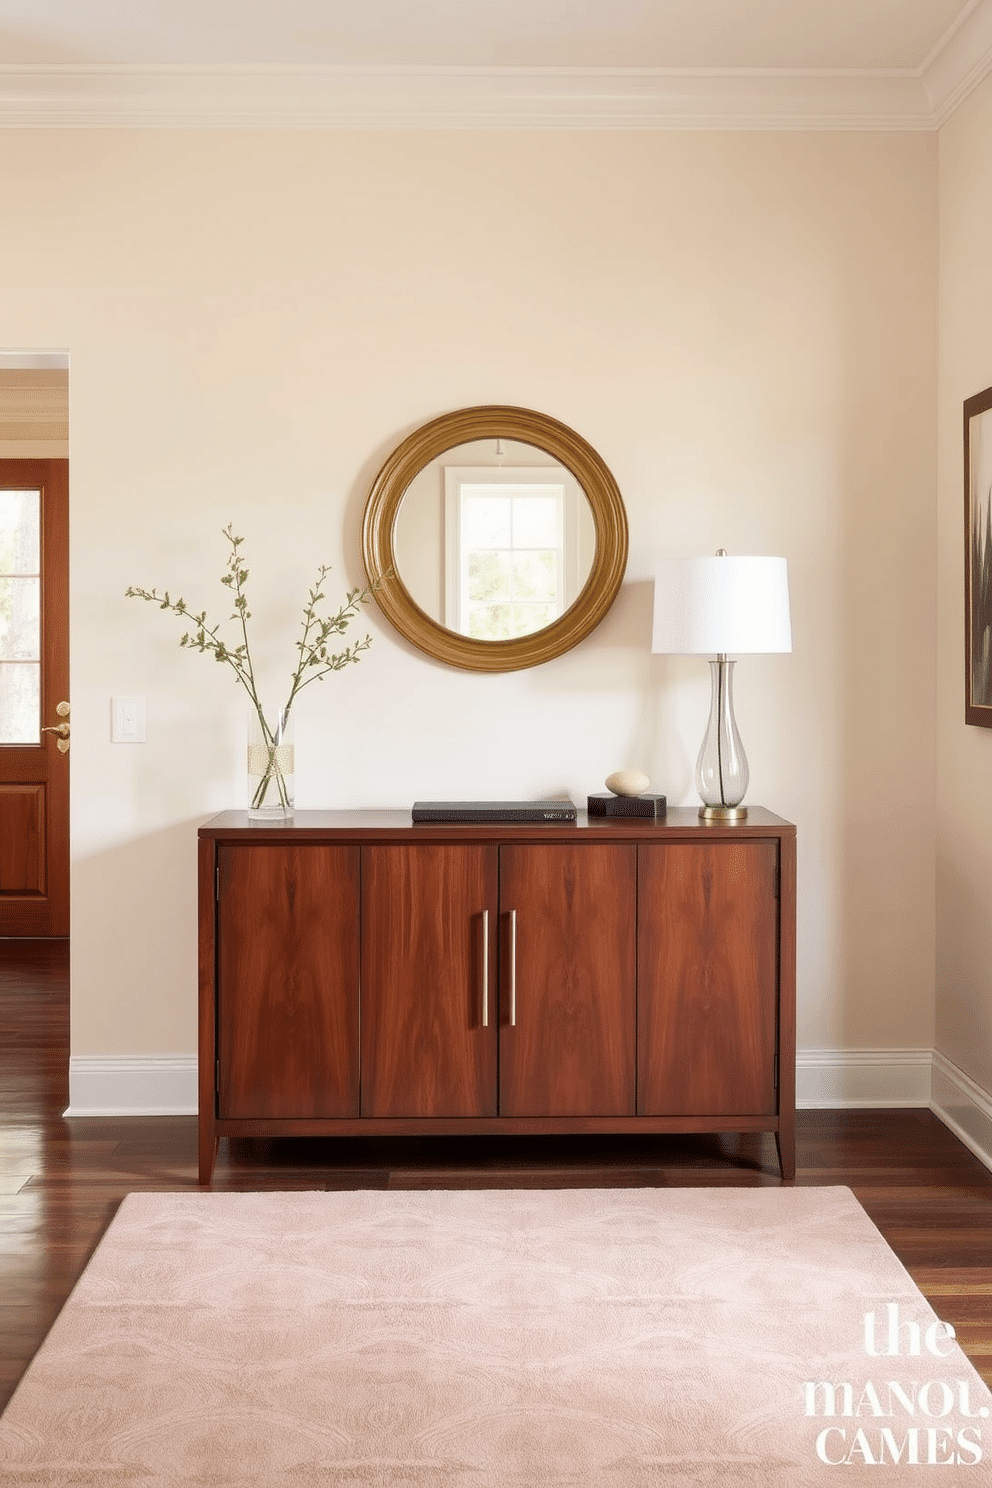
column 513, row 968
column 485, row 968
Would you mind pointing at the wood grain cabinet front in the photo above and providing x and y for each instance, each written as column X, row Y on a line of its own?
column 707, row 996
column 428, row 966
column 287, row 981
column 567, row 980
column 361, row 975
column 483, row 957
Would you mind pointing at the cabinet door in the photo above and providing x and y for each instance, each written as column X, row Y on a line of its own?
column 567, row 985
column 428, row 979
column 707, row 999
column 287, row 979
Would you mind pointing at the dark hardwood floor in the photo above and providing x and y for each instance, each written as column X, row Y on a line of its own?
column 61, row 1181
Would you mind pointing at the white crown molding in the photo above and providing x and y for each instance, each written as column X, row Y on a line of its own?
column 448, row 98
column 284, row 97
column 960, row 61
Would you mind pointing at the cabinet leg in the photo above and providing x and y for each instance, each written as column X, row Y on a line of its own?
column 785, row 1142
column 208, row 1154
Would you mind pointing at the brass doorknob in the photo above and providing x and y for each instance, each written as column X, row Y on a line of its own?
column 62, row 729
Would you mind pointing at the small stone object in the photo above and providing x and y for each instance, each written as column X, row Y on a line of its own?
column 627, row 783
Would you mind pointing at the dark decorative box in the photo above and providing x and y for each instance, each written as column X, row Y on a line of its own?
column 605, row 803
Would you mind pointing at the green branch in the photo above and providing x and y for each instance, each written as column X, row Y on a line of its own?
column 315, row 658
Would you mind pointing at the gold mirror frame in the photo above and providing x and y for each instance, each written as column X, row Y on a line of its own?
column 609, row 519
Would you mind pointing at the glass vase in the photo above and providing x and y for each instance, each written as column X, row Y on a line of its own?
column 271, row 764
column 721, row 770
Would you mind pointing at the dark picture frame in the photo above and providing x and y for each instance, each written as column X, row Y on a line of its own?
column 978, row 559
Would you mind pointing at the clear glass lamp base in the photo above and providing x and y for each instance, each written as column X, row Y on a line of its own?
column 721, row 769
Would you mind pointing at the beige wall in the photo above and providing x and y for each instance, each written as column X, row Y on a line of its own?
column 742, row 325
column 964, row 757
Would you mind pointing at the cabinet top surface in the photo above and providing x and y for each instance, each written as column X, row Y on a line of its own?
column 397, row 826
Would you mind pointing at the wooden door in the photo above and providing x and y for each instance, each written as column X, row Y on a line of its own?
column 287, row 980
column 34, row 681
column 707, row 998
column 567, row 983
column 428, row 980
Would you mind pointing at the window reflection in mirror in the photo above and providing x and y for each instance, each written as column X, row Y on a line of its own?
column 494, row 539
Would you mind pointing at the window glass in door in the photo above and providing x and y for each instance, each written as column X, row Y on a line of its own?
column 20, row 617
column 34, row 697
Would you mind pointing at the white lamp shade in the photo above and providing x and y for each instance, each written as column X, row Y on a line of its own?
column 721, row 605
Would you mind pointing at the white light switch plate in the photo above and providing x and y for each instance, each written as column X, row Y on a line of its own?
column 127, row 720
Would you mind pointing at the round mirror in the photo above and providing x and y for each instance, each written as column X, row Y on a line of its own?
column 505, row 535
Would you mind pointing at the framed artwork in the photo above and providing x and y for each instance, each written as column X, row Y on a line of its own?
column 978, row 559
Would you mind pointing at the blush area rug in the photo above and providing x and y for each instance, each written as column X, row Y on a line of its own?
column 505, row 1339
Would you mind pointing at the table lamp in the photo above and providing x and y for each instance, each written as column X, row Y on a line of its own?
column 712, row 606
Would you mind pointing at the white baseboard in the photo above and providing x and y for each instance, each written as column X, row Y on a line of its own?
column 963, row 1106
column 838, row 1078
column 165, row 1085
column 132, row 1085
column 835, row 1078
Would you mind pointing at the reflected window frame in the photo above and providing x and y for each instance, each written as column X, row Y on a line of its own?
column 516, row 483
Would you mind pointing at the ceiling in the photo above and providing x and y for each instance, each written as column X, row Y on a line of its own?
column 573, row 63
column 479, row 33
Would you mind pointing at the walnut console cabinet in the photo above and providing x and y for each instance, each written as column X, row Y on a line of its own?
column 361, row 975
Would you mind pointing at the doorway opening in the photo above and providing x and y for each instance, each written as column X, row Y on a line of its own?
column 34, row 645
